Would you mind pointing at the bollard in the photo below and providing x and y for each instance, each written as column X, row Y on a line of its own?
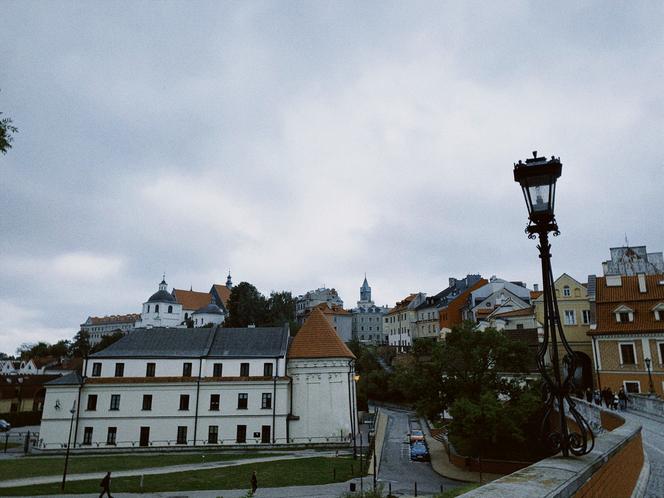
column 141, row 484
column 389, row 486
column 415, row 488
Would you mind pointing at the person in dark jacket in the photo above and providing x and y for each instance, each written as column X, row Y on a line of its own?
column 589, row 395
column 254, row 483
column 106, row 485
column 622, row 398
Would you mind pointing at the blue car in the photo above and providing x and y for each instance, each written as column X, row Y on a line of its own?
column 418, row 451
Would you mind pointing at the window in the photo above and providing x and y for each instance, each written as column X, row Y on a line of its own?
column 244, row 369
column 585, row 317
column 115, row 402
column 241, row 436
column 184, row 402
column 633, row 387
column 96, row 369
column 661, row 352
column 570, row 317
column 148, row 308
column 519, row 326
column 87, row 435
column 119, row 369
column 149, row 370
column 156, row 308
column 214, row 402
column 267, row 370
column 242, row 401
column 266, row 400
column 147, row 402
column 566, row 291
column 213, row 434
column 182, row 435
column 186, row 370
column 111, row 435
column 217, row 370
column 627, row 356
column 170, row 309
column 92, row 402
column 623, row 317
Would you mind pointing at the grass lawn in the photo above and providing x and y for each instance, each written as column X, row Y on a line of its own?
column 298, row 472
column 46, row 466
column 451, row 493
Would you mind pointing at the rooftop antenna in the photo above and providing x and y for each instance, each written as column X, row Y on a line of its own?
column 626, row 241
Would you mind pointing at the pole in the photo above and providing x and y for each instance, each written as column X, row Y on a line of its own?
column 652, row 386
column 71, row 424
column 374, row 460
column 361, row 466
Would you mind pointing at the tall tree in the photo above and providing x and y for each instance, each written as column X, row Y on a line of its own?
column 81, row 345
column 106, row 341
column 281, row 309
column 6, row 130
column 246, row 306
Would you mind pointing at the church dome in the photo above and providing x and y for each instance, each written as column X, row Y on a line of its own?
column 161, row 296
column 210, row 309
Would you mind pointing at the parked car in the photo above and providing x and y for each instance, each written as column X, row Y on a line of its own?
column 419, row 451
column 416, row 435
column 5, row 426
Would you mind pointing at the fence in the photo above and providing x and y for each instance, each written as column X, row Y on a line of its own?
column 25, row 440
column 324, row 442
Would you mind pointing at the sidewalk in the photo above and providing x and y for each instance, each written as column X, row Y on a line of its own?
column 441, row 462
column 28, row 481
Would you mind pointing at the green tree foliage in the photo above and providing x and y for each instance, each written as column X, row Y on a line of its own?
column 106, row 341
column 80, row 347
column 281, row 309
column 375, row 381
column 6, row 131
column 246, row 306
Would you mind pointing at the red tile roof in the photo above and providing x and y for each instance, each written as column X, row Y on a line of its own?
column 317, row 339
column 191, row 300
column 530, row 311
column 224, row 293
column 608, row 298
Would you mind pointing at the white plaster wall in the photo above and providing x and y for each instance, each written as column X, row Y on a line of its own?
column 320, row 398
column 165, row 416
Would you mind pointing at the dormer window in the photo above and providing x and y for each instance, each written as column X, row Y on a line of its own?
column 624, row 314
column 659, row 312
column 566, row 291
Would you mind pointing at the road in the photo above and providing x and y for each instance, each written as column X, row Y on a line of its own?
column 396, row 466
column 652, row 435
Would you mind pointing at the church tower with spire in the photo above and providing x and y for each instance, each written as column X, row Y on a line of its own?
column 365, row 293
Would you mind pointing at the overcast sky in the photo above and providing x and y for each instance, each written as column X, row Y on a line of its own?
column 303, row 143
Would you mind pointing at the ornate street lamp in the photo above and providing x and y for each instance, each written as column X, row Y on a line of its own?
column 537, row 178
column 652, row 386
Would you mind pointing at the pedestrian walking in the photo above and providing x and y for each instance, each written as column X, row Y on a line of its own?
column 589, row 395
column 608, row 399
column 254, row 483
column 105, row 485
column 622, row 398
column 598, row 397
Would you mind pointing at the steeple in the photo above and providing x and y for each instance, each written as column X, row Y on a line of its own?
column 365, row 291
column 229, row 282
column 163, row 285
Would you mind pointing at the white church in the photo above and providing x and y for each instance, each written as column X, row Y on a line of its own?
column 168, row 386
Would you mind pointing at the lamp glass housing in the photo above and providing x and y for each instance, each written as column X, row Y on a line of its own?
column 537, row 178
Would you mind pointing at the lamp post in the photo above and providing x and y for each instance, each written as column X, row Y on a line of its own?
column 652, row 386
column 537, row 177
column 71, row 424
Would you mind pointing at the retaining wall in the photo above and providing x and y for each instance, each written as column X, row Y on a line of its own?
column 614, row 468
column 650, row 405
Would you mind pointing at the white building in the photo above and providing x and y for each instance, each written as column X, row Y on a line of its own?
column 306, row 302
column 208, row 386
column 99, row 327
column 400, row 322
column 162, row 310
column 498, row 293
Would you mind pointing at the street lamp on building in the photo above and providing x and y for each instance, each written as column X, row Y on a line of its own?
column 537, row 177
column 652, row 386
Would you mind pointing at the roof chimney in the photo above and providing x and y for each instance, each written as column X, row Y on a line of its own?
column 536, row 287
column 642, row 283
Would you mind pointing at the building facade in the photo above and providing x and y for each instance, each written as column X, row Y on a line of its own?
column 207, row 386
column 400, row 322
column 628, row 337
column 496, row 293
column 99, row 327
column 630, row 261
column 453, row 302
column 575, row 318
column 367, row 325
column 308, row 301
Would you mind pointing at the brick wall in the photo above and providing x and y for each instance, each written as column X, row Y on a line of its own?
column 615, row 381
column 610, row 355
column 617, row 478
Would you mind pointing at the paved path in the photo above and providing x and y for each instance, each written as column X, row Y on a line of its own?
column 396, row 466
column 162, row 470
column 652, row 435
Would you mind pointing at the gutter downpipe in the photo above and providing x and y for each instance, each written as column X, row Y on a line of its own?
column 274, row 400
column 198, row 390
column 599, row 383
column 350, row 408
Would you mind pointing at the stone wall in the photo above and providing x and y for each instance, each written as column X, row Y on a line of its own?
column 649, row 405
column 615, row 467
